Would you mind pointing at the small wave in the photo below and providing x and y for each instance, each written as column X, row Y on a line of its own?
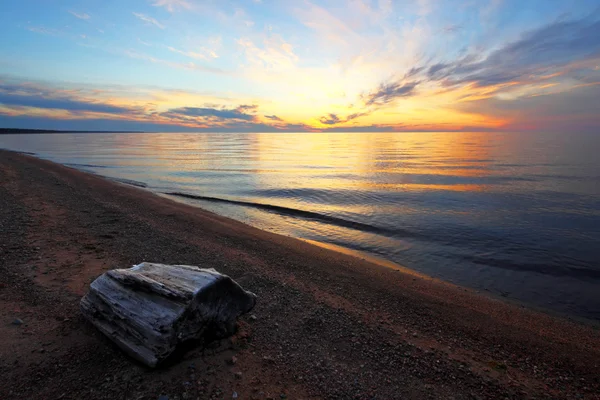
column 299, row 213
column 319, row 196
column 75, row 165
column 128, row 181
column 577, row 272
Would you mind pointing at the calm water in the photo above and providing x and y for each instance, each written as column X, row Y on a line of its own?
column 517, row 215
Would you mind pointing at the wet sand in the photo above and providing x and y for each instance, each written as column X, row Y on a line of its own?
column 327, row 324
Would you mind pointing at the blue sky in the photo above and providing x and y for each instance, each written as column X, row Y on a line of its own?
column 261, row 65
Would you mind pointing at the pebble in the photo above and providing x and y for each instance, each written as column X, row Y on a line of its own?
column 17, row 322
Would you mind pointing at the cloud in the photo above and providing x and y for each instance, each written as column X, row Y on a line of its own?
column 569, row 111
column 334, row 119
column 550, row 58
column 203, row 53
column 242, row 112
column 189, row 65
column 367, row 38
column 330, row 119
column 30, row 104
column 388, row 92
column 424, row 7
column 149, row 20
column 27, row 95
column 172, row 5
column 44, row 31
column 245, row 108
column 83, row 16
column 189, row 54
column 274, row 53
column 242, row 118
column 100, row 124
column 535, row 54
column 78, row 107
column 452, row 28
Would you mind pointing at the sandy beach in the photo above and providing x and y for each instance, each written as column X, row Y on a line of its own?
column 327, row 324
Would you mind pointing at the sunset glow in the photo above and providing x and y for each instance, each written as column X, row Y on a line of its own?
column 261, row 65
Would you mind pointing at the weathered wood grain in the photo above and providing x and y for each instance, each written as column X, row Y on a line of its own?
column 150, row 309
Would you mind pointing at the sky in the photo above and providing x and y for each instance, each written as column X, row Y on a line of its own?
column 283, row 65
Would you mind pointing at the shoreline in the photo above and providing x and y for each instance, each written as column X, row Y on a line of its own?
column 484, row 293
column 372, row 259
column 197, row 200
column 328, row 324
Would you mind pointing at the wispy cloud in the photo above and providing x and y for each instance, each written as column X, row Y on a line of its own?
column 202, row 53
column 83, row 16
column 424, row 7
column 452, row 28
column 244, row 117
column 366, row 40
column 73, row 106
column 149, row 20
column 173, row 5
column 548, row 59
column 335, row 119
column 43, row 31
column 533, row 56
column 567, row 111
column 36, row 96
column 274, row 53
column 189, row 54
column 390, row 91
column 242, row 112
column 369, row 64
column 189, row 65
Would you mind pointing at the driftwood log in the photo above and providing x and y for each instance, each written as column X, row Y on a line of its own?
column 148, row 310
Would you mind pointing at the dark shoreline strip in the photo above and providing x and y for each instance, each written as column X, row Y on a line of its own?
column 297, row 213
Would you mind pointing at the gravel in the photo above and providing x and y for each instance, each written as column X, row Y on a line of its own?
column 326, row 325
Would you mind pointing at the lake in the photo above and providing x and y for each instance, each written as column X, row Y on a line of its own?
column 515, row 215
